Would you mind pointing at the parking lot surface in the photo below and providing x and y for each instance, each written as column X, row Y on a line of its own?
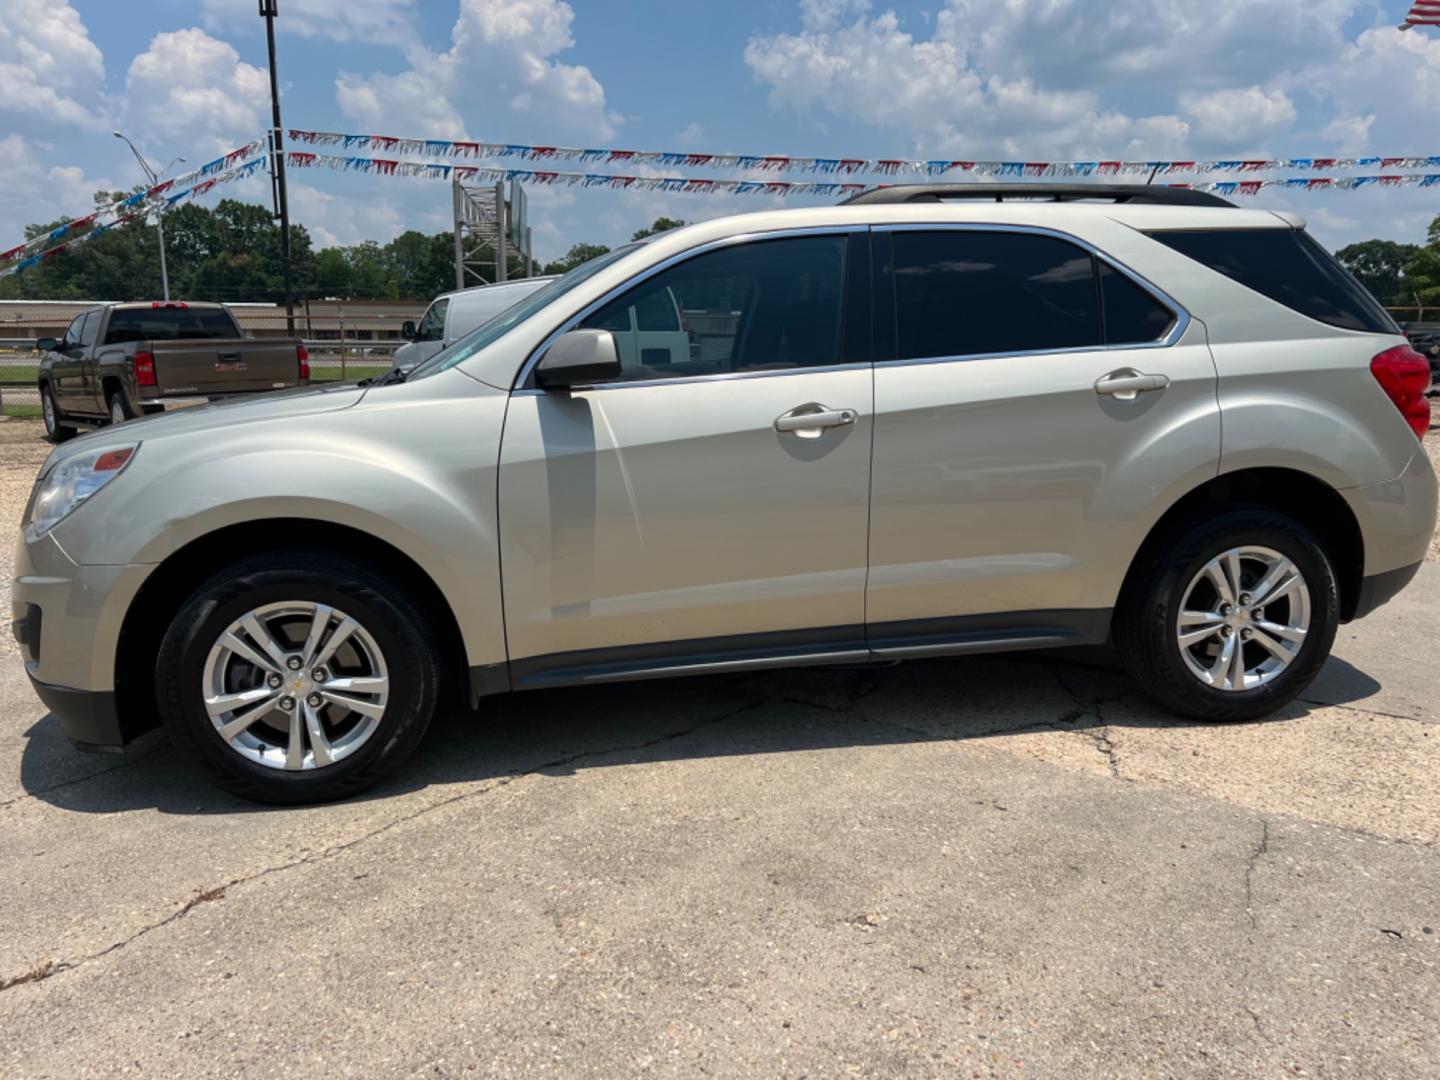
column 979, row 867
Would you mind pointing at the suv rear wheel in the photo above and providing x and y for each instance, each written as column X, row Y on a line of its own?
column 297, row 677
column 1235, row 620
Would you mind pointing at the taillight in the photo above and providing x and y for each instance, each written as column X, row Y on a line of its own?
column 303, row 355
column 1404, row 375
column 144, row 369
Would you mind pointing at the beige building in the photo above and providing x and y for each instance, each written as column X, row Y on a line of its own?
column 315, row 320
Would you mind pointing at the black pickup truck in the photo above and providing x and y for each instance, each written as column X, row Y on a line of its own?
column 118, row 361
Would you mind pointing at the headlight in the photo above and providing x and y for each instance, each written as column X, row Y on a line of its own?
column 71, row 482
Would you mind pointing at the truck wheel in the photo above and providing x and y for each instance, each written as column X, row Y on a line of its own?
column 1234, row 620
column 56, row 430
column 296, row 677
column 118, row 405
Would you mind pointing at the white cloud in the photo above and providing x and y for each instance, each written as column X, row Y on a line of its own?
column 194, row 91
column 1385, row 86
column 387, row 22
column 35, row 191
column 874, row 70
column 49, row 67
column 501, row 60
column 1238, row 116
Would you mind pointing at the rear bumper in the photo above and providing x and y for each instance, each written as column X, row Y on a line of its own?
column 1397, row 523
column 1378, row 589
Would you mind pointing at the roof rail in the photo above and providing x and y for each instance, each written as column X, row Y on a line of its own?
column 1154, row 195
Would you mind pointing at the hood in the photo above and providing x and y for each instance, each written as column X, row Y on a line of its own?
column 302, row 401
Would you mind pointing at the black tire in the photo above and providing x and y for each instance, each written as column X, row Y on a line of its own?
column 1146, row 637
column 380, row 605
column 56, row 430
column 118, row 404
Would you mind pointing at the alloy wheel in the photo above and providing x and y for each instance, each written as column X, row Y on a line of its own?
column 1243, row 618
column 295, row 685
column 47, row 407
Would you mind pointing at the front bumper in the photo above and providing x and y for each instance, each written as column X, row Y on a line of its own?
column 88, row 717
column 67, row 620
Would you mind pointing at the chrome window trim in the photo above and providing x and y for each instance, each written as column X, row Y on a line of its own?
column 1170, row 338
column 521, row 384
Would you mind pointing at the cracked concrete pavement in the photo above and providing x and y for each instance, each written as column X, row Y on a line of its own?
column 989, row 866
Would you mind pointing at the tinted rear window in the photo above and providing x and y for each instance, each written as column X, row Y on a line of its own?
column 971, row 293
column 1289, row 267
column 168, row 324
column 1132, row 315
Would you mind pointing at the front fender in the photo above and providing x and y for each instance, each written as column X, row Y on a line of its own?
column 416, row 470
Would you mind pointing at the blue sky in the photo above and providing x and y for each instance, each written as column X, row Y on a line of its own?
column 1048, row 79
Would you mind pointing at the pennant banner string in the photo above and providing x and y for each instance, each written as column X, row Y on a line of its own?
column 300, row 159
column 84, row 230
column 457, row 148
column 141, row 201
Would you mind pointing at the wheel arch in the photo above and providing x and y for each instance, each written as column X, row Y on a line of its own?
column 174, row 579
column 1300, row 495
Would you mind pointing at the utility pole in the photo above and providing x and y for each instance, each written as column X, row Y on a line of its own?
column 458, row 195
column 268, row 10
column 500, row 226
column 154, row 178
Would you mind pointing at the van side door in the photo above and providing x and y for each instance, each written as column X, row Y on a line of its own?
column 430, row 334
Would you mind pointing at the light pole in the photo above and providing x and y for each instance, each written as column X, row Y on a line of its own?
column 268, row 10
column 154, row 178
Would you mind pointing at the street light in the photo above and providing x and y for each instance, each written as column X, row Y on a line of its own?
column 154, row 178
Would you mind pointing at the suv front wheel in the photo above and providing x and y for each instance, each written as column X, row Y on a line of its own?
column 297, row 677
column 1235, row 620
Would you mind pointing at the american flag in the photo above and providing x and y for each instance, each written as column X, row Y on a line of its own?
column 1422, row 13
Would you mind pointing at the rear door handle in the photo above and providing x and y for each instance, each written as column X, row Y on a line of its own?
column 808, row 421
column 1127, row 383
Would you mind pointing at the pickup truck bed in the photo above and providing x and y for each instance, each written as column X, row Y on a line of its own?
column 120, row 360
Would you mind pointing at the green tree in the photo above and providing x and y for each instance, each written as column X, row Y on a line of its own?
column 659, row 225
column 580, row 253
column 1380, row 266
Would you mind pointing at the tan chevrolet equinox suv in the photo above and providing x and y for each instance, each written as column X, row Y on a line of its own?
column 936, row 420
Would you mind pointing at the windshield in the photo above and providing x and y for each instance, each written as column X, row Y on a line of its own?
column 513, row 316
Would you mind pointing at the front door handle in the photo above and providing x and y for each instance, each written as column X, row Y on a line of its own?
column 1126, row 383
column 810, row 421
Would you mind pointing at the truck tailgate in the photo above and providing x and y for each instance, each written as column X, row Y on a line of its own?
column 224, row 366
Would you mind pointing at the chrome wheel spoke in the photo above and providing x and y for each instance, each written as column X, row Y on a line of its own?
column 295, row 745
column 1215, row 571
column 1290, row 633
column 1282, row 654
column 1220, row 669
column 1205, row 623
column 364, row 684
column 342, row 633
column 319, row 744
column 241, row 648
column 364, row 708
column 242, row 723
column 224, row 703
column 261, row 636
column 317, row 629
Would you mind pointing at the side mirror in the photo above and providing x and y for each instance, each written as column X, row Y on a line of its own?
column 579, row 358
column 46, row 344
column 407, row 330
